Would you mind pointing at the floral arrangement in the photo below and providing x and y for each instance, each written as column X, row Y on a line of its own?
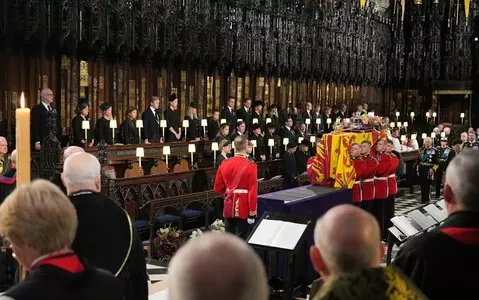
column 217, row 226
column 168, row 240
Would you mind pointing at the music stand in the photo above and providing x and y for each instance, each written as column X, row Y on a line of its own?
column 281, row 233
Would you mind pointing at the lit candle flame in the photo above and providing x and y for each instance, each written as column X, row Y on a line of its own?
column 22, row 101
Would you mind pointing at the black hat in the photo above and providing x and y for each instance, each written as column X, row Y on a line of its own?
column 444, row 139
column 193, row 105
column 272, row 106
column 457, row 142
column 258, row 103
column 270, row 126
column 82, row 104
column 255, row 126
column 305, row 142
column 105, row 106
column 292, row 144
column 172, row 97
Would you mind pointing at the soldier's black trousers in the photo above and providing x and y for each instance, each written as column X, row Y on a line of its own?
column 438, row 177
column 237, row 227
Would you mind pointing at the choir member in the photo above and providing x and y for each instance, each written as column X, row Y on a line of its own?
column 244, row 113
column 237, row 179
column 223, row 133
column 128, row 132
column 392, row 188
column 193, row 132
column 214, row 125
column 44, row 119
column 360, row 168
column 151, row 122
column 257, row 136
column 240, row 129
column 381, row 181
column 78, row 134
column 225, row 151
column 228, row 113
column 172, row 116
column 103, row 132
column 39, row 222
column 367, row 182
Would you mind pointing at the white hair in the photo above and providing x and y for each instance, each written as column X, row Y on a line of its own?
column 80, row 171
column 461, row 177
column 217, row 266
column 13, row 156
column 3, row 139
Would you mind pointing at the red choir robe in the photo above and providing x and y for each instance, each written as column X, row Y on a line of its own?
column 241, row 196
column 382, row 173
column 392, row 182
column 367, row 182
column 360, row 167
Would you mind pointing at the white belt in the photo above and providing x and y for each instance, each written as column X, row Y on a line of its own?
column 240, row 191
column 380, row 178
column 357, row 182
column 369, row 180
column 392, row 176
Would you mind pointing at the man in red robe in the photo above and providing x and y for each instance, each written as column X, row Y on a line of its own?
column 360, row 167
column 367, row 182
column 237, row 180
column 381, row 180
column 392, row 188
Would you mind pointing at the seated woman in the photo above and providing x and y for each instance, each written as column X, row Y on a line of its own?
column 223, row 133
column 39, row 222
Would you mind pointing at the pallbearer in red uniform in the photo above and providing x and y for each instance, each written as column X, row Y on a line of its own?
column 360, row 167
column 381, row 181
column 237, row 179
column 392, row 187
column 367, row 182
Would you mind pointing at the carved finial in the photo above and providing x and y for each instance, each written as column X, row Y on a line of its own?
column 418, row 2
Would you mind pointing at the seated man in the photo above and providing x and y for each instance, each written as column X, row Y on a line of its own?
column 444, row 262
column 105, row 236
column 39, row 222
column 8, row 181
column 228, row 269
column 347, row 252
column 56, row 179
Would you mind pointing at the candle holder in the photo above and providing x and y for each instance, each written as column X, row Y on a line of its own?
column 255, row 120
column 192, row 150
column 163, row 126
column 397, row 116
column 434, row 115
column 254, row 145
column 214, row 148
column 300, row 139
column 462, row 118
column 139, row 125
column 166, row 152
column 268, row 120
column 85, row 125
column 271, row 144
column 312, row 140
column 222, row 121
column 113, row 126
column 140, row 152
column 204, row 124
column 412, row 117
column 186, row 124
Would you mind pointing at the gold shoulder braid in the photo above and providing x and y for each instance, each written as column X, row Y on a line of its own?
column 129, row 248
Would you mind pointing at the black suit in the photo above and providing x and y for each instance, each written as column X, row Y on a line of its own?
column 245, row 116
column 230, row 116
column 42, row 123
column 288, row 133
column 213, row 128
column 151, row 126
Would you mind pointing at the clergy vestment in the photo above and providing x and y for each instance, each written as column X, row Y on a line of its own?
column 444, row 263
column 107, row 239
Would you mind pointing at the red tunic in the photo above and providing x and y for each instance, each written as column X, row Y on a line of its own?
column 392, row 183
column 367, row 183
column 240, row 200
column 382, row 173
column 360, row 167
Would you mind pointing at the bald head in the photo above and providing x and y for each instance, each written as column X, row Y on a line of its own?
column 81, row 172
column 217, row 266
column 13, row 158
column 46, row 96
column 461, row 190
column 347, row 239
column 72, row 150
